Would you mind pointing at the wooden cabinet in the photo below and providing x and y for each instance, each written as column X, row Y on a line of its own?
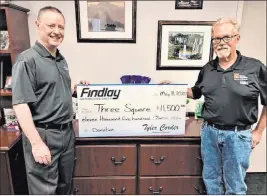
column 170, row 159
column 14, row 24
column 13, row 178
column 105, row 185
column 105, row 160
column 14, row 20
column 140, row 165
column 172, row 185
column 105, row 169
column 170, row 169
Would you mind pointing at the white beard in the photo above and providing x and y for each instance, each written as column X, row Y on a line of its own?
column 224, row 53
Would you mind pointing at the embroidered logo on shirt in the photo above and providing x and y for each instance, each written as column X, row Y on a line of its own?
column 236, row 76
column 241, row 78
column 244, row 82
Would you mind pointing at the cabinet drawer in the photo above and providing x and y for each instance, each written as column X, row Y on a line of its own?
column 170, row 160
column 105, row 160
column 104, row 185
column 172, row 185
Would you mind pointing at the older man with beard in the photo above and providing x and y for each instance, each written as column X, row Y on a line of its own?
column 231, row 85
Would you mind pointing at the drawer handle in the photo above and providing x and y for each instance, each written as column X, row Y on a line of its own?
column 199, row 157
column 75, row 191
column 157, row 162
column 199, row 191
column 113, row 189
column 155, row 192
column 118, row 162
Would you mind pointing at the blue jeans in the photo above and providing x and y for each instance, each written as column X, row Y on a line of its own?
column 225, row 156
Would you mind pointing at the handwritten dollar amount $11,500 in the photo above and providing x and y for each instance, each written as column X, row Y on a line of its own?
column 131, row 110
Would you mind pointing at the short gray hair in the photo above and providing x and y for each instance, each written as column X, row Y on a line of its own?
column 49, row 8
column 224, row 20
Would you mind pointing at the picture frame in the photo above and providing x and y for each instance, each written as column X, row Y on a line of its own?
column 183, row 45
column 188, row 4
column 4, row 40
column 106, row 21
column 10, row 118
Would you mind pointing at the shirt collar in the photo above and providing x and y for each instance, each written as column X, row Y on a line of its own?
column 237, row 64
column 41, row 50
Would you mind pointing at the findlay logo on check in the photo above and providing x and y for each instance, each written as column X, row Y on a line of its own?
column 104, row 93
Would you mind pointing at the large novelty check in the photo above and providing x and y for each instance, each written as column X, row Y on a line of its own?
column 131, row 110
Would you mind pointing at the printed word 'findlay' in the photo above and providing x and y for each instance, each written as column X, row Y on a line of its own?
column 103, row 93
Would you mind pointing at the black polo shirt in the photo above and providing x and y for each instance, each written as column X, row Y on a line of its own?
column 231, row 96
column 43, row 82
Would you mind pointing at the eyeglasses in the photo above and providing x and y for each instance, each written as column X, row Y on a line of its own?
column 226, row 39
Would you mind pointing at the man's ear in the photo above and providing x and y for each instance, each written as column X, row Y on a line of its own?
column 37, row 23
column 238, row 38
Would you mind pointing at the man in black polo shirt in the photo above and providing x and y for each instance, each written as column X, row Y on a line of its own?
column 42, row 100
column 231, row 85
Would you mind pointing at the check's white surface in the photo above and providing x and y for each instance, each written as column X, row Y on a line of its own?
column 131, row 110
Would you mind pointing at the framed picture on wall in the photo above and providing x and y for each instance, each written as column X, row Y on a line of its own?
column 106, row 21
column 188, row 4
column 4, row 40
column 183, row 45
column 8, row 82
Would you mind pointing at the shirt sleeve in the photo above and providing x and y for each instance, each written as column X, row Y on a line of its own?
column 196, row 89
column 23, row 83
column 262, row 78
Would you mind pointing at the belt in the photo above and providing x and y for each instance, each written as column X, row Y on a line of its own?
column 52, row 126
column 230, row 127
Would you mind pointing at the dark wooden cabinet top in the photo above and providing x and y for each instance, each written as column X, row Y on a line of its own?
column 13, row 6
column 5, row 93
column 192, row 132
column 8, row 138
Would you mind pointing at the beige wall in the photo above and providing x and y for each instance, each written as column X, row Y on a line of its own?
column 253, row 43
column 115, row 60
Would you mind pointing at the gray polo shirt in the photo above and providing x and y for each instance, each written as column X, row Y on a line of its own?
column 43, row 82
column 231, row 96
